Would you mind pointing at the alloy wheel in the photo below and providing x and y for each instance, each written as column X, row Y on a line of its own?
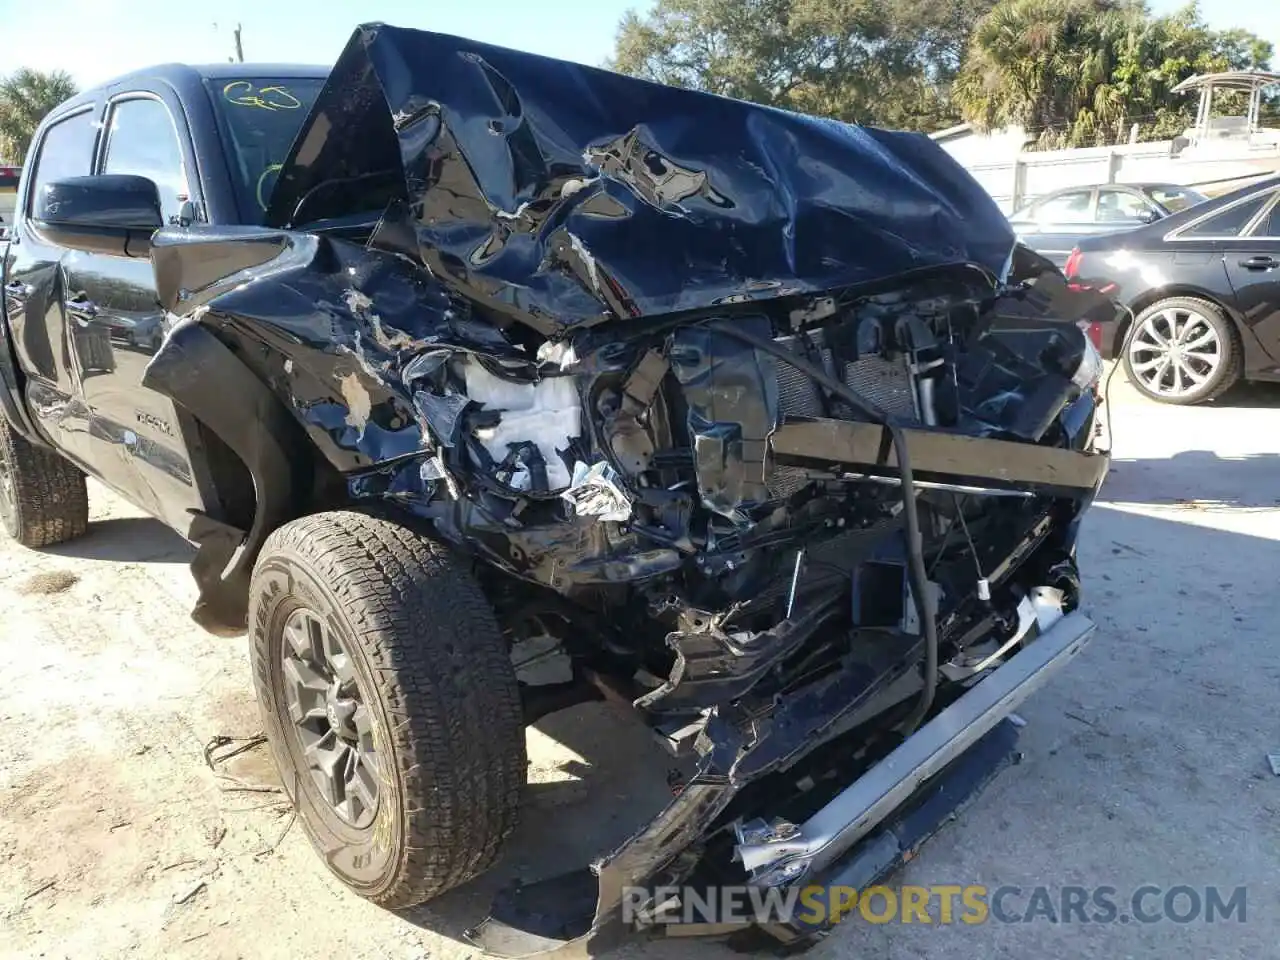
column 1175, row 352
column 330, row 717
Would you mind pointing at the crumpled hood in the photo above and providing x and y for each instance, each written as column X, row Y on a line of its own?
column 562, row 195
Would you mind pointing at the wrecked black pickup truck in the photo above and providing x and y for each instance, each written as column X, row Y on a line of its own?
column 453, row 358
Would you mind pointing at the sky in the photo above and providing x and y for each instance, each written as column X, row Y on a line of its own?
column 95, row 40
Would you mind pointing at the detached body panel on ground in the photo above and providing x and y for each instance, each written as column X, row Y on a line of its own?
column 528, row 383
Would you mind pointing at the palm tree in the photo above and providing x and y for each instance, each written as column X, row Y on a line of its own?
column 25, row 97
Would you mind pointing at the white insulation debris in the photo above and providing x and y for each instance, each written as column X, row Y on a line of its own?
column 546, row 414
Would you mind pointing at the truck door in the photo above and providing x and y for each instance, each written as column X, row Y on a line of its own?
column 34, row 289
column 116, row 324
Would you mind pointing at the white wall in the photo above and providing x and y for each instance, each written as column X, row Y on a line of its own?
column 1013, row 178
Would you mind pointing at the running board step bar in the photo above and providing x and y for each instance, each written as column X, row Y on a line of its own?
column 861, row 806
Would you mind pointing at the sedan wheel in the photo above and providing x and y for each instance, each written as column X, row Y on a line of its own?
column 1182, row 351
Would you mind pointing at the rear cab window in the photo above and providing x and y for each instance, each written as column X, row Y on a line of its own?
column 65, row 150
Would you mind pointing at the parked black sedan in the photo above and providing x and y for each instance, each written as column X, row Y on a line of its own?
column 1053, row 223
column 1203, row 291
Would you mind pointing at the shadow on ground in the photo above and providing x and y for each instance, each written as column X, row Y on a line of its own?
column 1196, row 479
column 127, row 540
column 1250, row 396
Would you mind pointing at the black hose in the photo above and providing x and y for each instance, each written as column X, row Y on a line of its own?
column 916, row 575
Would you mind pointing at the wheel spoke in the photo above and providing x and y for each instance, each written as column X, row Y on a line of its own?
column 1157, row 378
column 1178, row 385
column 317, row 633
column 1205, row 339
column 1154, row 335
column 328, row 758
column 362, row 720
column 304, row 689
column 1146, row 365
column 1195, row 377
column 340, row 663
column 1170, row 318
column 295, row 634
column 1205, row 359
column 362, row 788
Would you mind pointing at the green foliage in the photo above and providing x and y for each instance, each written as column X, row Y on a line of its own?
column 868, row 61
column 1081, row 72
column 25, row 97
column 1073, row 72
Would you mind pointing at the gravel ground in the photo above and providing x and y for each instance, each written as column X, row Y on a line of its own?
column 1144, row 762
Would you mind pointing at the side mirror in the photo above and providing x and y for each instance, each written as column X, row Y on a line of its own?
column 112, row 213
column 1149, row 215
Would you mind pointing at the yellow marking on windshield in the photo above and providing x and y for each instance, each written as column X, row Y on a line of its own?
column 262, row 179
column 242, row 93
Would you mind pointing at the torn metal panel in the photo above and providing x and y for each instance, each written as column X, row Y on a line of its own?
column 596, row 491
column 563, row 209
column 732, row 400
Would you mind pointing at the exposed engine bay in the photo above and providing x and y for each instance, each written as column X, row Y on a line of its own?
column 793, row 496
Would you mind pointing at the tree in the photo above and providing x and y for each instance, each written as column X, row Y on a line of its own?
column 25, row 97
column 1081, row 72
column 888, row 62
column 1072, row 72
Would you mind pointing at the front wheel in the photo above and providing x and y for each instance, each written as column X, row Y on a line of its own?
column 389, row 702
column 1183, row 350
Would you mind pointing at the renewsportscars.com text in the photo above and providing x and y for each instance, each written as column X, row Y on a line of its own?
column 940, row 904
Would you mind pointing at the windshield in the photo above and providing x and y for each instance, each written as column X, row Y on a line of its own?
column 1174, row 198
column 260, row 117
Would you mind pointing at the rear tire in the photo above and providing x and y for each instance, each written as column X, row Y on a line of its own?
column 43, row 498
column 402, row 637
column 1183, row 350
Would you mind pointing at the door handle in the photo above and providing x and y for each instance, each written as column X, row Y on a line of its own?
column 1260, row 263
column 16, row 288
column 82, row 307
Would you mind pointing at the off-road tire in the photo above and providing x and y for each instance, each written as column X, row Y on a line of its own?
column 44, row 500
column 434, row 669
column 1229, row 370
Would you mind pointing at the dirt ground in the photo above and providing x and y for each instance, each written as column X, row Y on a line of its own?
column 1144, row 763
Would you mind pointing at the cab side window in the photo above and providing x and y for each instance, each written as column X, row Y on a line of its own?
column 141, row 140
column 66, row 150
column 1121, row 206
column 1065, row 208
